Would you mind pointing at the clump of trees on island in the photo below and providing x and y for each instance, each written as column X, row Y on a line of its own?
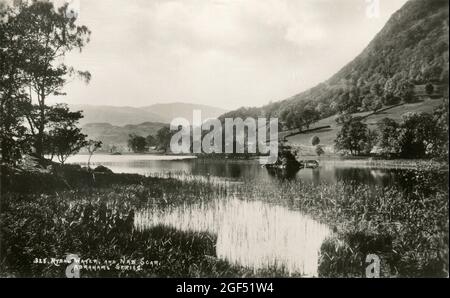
column 34, row 39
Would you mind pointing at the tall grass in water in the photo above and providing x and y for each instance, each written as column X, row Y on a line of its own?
column 96, row 221
column 100, row 226
column 40, row 217
column 253, row 234
column 407, row 228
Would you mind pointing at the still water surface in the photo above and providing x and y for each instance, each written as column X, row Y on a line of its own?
column 254, row 233
column 330, row 171
column 249, row 233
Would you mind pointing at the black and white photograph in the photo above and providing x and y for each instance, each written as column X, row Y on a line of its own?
column 224, row 139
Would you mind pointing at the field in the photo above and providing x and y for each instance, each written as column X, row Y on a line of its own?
column 327, row 136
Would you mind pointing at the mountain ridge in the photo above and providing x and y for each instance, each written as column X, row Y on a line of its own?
column 157, row 113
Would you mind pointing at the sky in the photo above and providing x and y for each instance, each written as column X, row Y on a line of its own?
column 224, row 53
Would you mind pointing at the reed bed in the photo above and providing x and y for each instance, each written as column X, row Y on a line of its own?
column 253, row 234
column 407, row 228
column 44, row 215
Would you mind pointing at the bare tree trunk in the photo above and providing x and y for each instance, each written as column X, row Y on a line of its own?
column 89, row 160
column 41, row 126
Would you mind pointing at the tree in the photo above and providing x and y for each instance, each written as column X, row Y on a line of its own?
column 137, row 143
column 151, row 141
column 66, row 142
column 342, row 118
column 91, row 147
column 388, row 136
column 405, row 91
column 163, row 137
column 429, row 89
column 440, row 146
column 376, row 89
column 417, row 135
column 390, row 91
column 290, row 120
column 13, row 136
column 324, row 110
column 315, row 141
column 112, row 149
column 367, row 102
column 34, row 39
column 353, row 136
column 308, row 115
column 63, row 138
column 377, row 105
column 369, row 144
column 319, row 150
column 372, row 103
column 389, row 99
column 348, row 102
column 432, row 73
column 45, row 35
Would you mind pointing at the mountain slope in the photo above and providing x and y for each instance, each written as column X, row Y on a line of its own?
column 414, row 41
column 410, row 52
column 115, row 115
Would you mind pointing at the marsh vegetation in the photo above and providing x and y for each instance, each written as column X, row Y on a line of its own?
column 194, row 228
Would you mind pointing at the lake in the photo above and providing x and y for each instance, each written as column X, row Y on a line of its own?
column 250, row 233
column 330, row 171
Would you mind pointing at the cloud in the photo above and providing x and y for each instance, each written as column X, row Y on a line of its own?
column 237, row 26
column 223, row 52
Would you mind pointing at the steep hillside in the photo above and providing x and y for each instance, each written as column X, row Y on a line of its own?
column 409, row 54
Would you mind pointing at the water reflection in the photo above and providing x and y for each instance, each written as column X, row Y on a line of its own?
column 328, row 172
column 254, row 234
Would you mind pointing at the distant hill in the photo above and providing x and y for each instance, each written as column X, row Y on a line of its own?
column 118, row 136
column 163, row 113
column 184, row 110
column 409, row 53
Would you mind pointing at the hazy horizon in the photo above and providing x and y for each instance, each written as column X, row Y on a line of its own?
column 219, row 53
column 145, row 106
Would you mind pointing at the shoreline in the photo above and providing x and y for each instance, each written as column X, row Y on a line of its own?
column 344, row 161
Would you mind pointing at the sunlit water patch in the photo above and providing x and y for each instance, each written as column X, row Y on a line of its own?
column 254, row 234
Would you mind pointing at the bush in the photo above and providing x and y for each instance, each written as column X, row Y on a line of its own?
column 315, row 141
